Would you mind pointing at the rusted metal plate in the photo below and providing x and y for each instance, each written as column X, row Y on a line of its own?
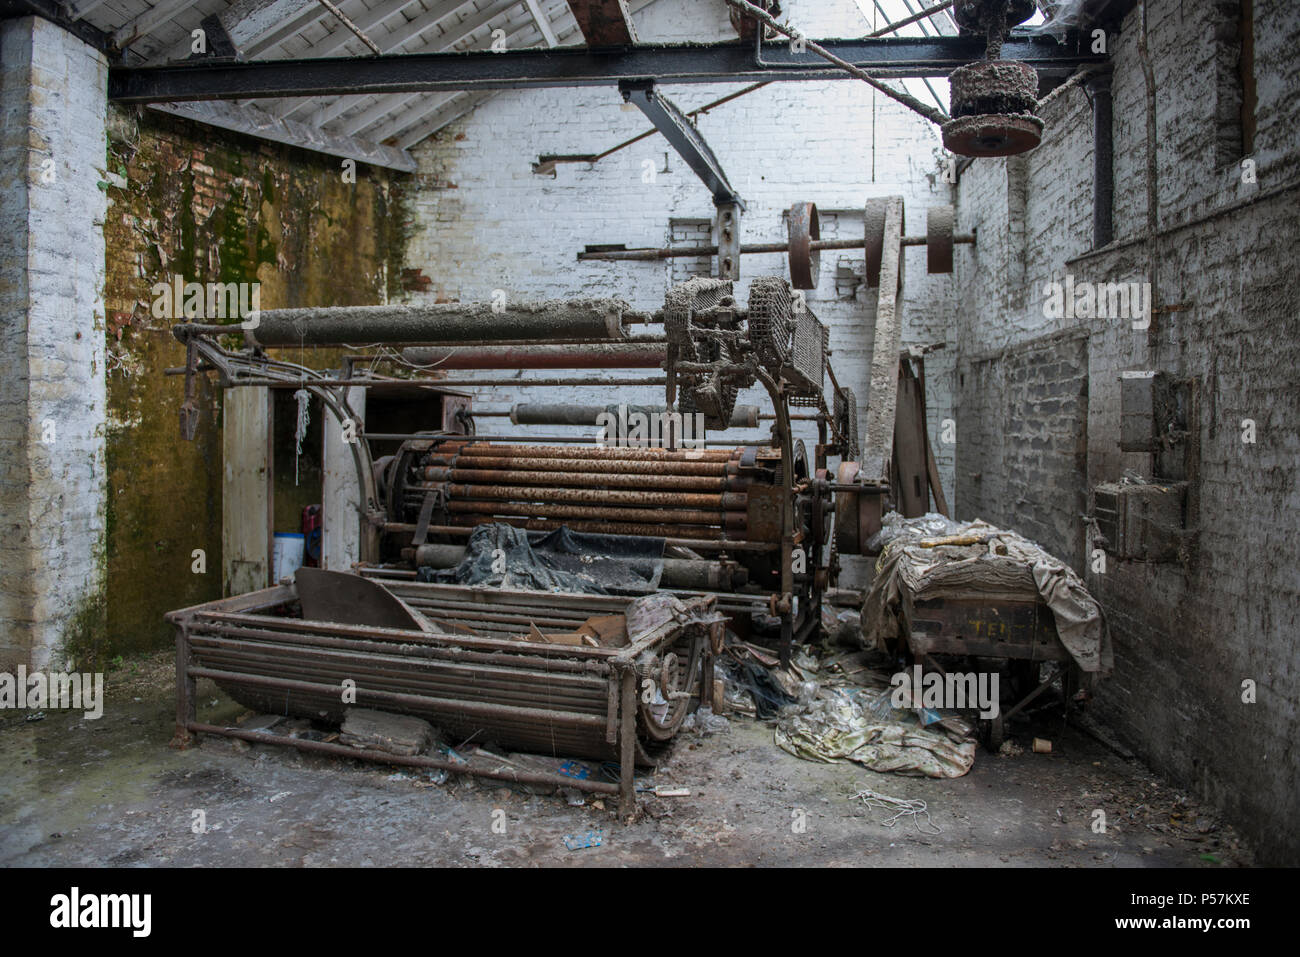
column 351, row 600
column 763, row 513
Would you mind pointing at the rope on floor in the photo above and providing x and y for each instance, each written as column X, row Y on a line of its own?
column 898, row 808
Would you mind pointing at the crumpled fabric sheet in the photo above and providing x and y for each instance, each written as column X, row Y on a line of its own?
column 978, row 557
column 843, row 725
column 559, row 561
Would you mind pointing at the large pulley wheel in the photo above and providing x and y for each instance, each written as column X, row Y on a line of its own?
column 992, row 135
column 805, row 261
column 938, row 239
column 873, row 216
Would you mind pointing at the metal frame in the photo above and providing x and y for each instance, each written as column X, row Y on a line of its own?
column 563, row 67
column 242, row 639
column 682, row 134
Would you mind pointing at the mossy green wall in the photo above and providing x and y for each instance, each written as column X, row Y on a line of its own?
column 189, row 200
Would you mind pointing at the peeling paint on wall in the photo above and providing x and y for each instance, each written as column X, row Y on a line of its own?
column 190, row 201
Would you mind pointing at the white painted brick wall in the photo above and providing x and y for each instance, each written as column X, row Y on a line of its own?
column 498, row 225
column 52, row 398
column 1185, row 637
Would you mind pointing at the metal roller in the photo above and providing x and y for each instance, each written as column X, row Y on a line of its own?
column 585, row 319
column 609, row 480
column 592, row 466
column 438, row 490
column 562, row 413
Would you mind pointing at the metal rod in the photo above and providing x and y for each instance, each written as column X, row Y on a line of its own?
column 541, row 525
column 550, row 160
column 899, row 24
column 469, row 708
column 906, row 99
column 413, row 760
column 343, row 18
column 672, row 252
column 762, row 416
column 1103, row 161
column 454, row 383
column 549, row 439
column 593, row 479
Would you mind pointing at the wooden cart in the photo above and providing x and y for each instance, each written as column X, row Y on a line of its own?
column 1010, row 627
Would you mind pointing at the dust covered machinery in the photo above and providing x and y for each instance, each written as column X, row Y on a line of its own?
column 746, row 531
column 749, row 522
column 758, row 524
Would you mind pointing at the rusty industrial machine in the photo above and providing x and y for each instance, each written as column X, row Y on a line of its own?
column 759, row 524
column 753, row 528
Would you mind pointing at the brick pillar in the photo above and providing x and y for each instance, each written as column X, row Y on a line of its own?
column 53, row 110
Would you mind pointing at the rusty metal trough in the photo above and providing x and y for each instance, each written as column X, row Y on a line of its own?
column 485, row 676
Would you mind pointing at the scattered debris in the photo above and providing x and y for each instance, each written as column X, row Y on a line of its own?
column 581, row 842
column 390, row 733
column 855, row 724
column 704, row 721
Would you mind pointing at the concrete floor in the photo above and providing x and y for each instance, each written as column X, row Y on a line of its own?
column 110, row 792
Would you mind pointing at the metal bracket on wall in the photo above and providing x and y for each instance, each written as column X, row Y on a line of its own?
column 678, row 129
column 728, row 232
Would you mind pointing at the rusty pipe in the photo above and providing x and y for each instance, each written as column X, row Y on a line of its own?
column 602, row 355
column 589, row 479
column 654, row 516
column 595, row 496
column 590, row 466
column 563, row 413
column 472, row 446
column 696, row 537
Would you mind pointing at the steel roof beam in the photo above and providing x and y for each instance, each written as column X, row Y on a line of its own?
column 689, row 143
column 572, row 67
